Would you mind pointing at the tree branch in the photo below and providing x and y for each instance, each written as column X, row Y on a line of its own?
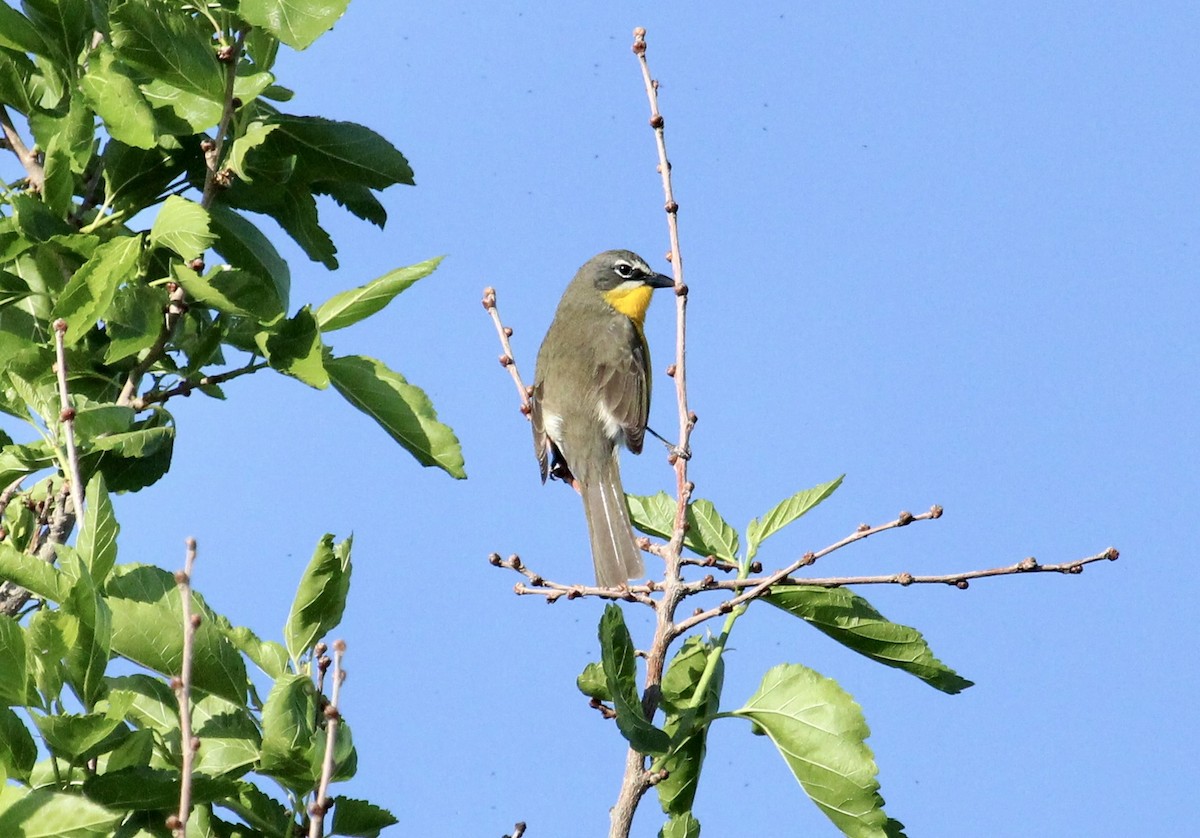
column 182, row 686
column 33, row 167
column 507, row 359
column 67, row 417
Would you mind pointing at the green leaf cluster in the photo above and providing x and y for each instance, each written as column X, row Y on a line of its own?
column 164, row 147
column 117, row 764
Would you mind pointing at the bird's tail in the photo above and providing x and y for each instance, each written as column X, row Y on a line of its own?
column 614, row 551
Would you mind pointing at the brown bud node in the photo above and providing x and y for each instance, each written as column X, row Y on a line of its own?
column 67, row 414
column 656, row 121
column 670, row 257
column 195, row 743
column 935, row 511
column 574, row 593
column 225, row 53
column 60, row 325
column 505, row 361
column 173, row 822
column 671, row 206
column 1075, row 569
column 339, row 645
column 514, row 561
column 1027, row 563
column 904, row 519
column 176, row 683
column 508, row 332
column 1112, row 554
column 537, row 581
column 639, row 32
column 197, row 265
column 681, row 290
column 181, row 577
column 905, row 579
column 725, row 607
column 331, row 712
column 196, row 620
column 321, row 648
column 494, row 559
column 962, row 584
column 207, row 145
column 639, row 47
column 671, row 370
column 756, row 566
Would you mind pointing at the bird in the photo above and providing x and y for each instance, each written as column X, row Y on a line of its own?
column 591, row 395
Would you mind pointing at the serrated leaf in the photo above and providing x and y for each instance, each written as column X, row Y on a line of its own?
column 246, row 248
column 231, row 739
column 359, row 819
column 97, row 542
column 30, row 572
column 59, row 185
column 593, row 683
column 707, row 534
column 45, row 813
column 346, row 151
column 91, row 289
column 351, row 306
column 296, row 23
column 400, row 408
column 134, row 321
column 18, row 752
column 785, row 512
column 267, row 655
column 175, row 47
column 13, row 674
column 253, row 136
column 87, row 656
column 148, row 629
column 79, row 737
column 687, row 722
column 153, row 705
column 294, row 348
column 47, row 648
column 117, row 99
column 234, row 292
column 356, row 198
column 620, row 669
column 289, row 726
column 141, row 787
column 18, row 33
column 182, row 226
column 321, row 597
column 260, row 811
column 852, row 621
column 681, row 826
column 821, row 735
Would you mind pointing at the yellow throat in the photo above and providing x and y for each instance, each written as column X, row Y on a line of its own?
column 630, row 301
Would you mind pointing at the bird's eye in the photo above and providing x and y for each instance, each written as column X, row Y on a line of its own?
column 624, row 270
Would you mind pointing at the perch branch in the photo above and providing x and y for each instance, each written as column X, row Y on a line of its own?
column 507, row 359
column 29, row 159
column 320, row 805
column 182, row 685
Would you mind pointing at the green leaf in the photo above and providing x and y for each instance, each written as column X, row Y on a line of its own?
column 47, row 648
column 260, row 811
column 253, row 136
column 79, row 737
column 96, row 420
column 593, row 683
column 231, row 291
column 340, row 151
column 154, row 706
column 681, row 826
column 359, row 819
column 30, row 572
column 289, row 727
column 246, row 248
column 852, row 621
column 400, row 408
column 294, row 348
column 351, row 306
column 148, row 629
column 785, row 512
column 620, row 669
column 91, row 289
column 295, row 22
column 136, row 749
column 133, row 321
column 174, row 47
column 18, row 33
column 135, row 459
column 117, row 99
column 687, row 723
column 13, row 675
column 18, row 753
column 267, row 655
column 193, row 113
column 64, row 26
column 87, row 656
column 707, row 535
column 59, row 187
column 141, row 787
column 45, row 813
column 820, row 733
column 231, row 738
column 16, row 77
column 356, row 198
column 182, row 226
column 321, row 598
column 97, row 542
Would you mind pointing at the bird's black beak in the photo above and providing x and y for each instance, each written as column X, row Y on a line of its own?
column 659, row 281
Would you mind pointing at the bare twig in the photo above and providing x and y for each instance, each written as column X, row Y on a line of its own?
column 553, row 591
column 29, row 159
column 67, row 417
column 320, row 805
column 507, row 359
column 7, row 495
column 58, row 518
column 518, row 830
column 185, row 388
column 183, row 692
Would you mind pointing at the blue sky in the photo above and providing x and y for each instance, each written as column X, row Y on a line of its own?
column 950, row 250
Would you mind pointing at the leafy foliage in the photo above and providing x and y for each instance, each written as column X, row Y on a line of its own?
column 156, row 154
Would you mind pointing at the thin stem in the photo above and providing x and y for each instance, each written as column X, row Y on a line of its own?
column 212, row 154
column 183, row 692
column 67, row 417
column 185, row 388
column 507, row 359
column 320, row 805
